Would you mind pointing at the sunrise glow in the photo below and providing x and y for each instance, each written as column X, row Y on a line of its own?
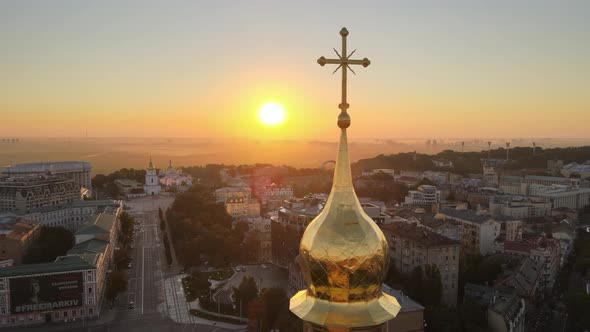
column 271, row 114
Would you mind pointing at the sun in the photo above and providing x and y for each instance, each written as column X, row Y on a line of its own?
column 271, row 114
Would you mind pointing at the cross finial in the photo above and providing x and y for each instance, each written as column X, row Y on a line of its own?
column 344, row 62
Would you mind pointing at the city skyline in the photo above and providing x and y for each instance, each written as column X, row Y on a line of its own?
column 203, row 70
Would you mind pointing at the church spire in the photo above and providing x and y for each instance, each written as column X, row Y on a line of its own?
column 150, row 164
column 343, row 254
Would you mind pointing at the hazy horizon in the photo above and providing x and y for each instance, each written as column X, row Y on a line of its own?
column 194, row 69
column 109, row 154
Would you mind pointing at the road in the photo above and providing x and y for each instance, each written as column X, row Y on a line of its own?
column 153, row 287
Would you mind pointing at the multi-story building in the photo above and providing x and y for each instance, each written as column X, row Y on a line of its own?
column 478, row 232
column 505, row 310
column 70, row 288
column 79, row 171
column 272, row 196
column 540, row 249
column 100, row 227
column 425, row 195
column 411, row 246
column 581, row 170
column 563, row 196
column 551, row 180
column 438, row 178
column 225, row 193
column 519, row 206
column 129, row 186
column 525, row 278
column 25, row 194
column 288, row 226
column 410, row 317
column 73, row 215
column 16, row 236
column 260, row 229
column 242, row 208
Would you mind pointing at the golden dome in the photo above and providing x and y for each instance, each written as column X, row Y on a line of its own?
column 344, row 257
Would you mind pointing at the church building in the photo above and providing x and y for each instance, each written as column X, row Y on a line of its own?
column 152, row 185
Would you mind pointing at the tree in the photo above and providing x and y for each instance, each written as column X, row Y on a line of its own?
column 431, row 286
column 479, row 270
column 276, row 304
column 246, row 291
column 51, row 243
column 116, row 283
column 251, row 248
column 127, row 223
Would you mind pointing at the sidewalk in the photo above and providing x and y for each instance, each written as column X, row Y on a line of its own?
column 179, row 310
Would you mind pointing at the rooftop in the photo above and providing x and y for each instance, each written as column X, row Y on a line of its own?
column 98, row 223
column 472, row 215
column 406, row 303
column 90, row 246
column 418, row 234
column 61, row 264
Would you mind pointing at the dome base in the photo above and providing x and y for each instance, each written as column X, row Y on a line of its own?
column 344, row 314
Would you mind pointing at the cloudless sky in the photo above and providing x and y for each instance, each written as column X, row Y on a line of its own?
column 203, row 68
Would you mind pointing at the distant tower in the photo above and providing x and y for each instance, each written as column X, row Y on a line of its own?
column 507, row 150
column 462, row 146
column 152, row 185
column 489, row 149
column 414, row 156
column 534, row 148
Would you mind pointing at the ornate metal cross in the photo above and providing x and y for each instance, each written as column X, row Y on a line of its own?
column 344, row 62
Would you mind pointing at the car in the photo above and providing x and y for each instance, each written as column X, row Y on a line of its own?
column 238, row 269
column 129, row 265
column 131, row 305
column 263, row 266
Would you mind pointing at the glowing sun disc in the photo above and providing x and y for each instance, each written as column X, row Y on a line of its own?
column 271, row 114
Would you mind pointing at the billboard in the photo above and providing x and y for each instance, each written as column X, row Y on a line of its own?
column 46, row 293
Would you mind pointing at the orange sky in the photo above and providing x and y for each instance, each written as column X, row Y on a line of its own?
column 187, row 70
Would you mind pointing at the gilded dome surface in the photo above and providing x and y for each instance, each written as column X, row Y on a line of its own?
column 343, row 256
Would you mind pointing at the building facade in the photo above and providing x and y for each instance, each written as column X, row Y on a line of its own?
column 152, row 184
column 26, row 194
column 16, row 236
column 73, row 215
column 225, row 193
column 70, row 288
column 79, row 171
column 272, row 196
column 424, row 195
column 411, row 246
column 480, row 231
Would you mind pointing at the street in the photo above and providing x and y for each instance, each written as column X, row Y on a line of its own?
column 153, row 287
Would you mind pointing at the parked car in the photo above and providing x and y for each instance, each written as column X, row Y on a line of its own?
column 131, row 305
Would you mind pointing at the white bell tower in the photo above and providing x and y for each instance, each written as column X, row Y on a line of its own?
column 152, row 185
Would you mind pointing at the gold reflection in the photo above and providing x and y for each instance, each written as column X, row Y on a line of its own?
column 343, row 256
